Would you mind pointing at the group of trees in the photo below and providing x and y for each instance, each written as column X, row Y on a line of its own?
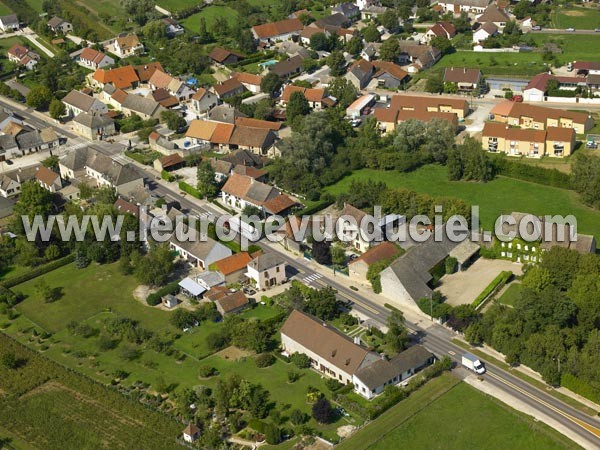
column 585, row 178
column 554, row 324
column 321, row 303
column 469, row 162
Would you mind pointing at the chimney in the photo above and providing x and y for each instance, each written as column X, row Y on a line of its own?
column 333, row 353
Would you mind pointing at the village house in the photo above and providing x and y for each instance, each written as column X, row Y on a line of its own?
column 127, row 45
column 389, row 75
column 203, row 100
column 94, row 126
column 440, row 29
column 240, row 191
column 11, row 182
column 350, row 11
column 388, row 118
column 537, row 88
column 233, row 267
column 226, row 301
column 199, row 251
column 359, row 267
column 360, row 73
column 250, row 81
column 123, row 78
column 485, row 31
column 553, row 141
column 29, row 140
column 316, row 98
column 146, row 108
column 282, row 30
column 288, row 67
column 417, row 57
column 23, row 56
column 222, row 56
column 88, row 165
column 59, row 25
column 228, row 88
column 162, row 144
column 172, row 27
column 494, row 14
column 357, row 239
column 266, row 270
column 525, row 115
column 48, row 179
column 9, row 23
column 225, row 113
column 469, row 6
column 77, row 102
column 372, row 12
column 93, row 59
column 465, row 80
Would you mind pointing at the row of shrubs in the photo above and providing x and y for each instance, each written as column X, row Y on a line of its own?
column 155, row 298
column 496, row 283
column 38, row 271
column 189, row 189
column 167, row 176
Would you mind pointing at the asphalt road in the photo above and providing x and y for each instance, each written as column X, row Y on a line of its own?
column 563, row 31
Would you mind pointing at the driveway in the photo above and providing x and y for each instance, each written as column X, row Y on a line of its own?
column 463, row 287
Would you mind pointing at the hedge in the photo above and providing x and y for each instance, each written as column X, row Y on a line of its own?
column 38, row 271
column 535, row 174
column 166, row 176
column 155, row 298
column 314, row 208
column 189, row 189
column 496, row 283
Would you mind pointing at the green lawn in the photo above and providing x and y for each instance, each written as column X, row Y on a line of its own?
column 13, row 271
column 210, row 14
column 465, row 418
column 575, row 46
column 500, row 196
column 518, row 64
column 176, row 5
column 574, row 17
column 36, row 4
column 4, row 10
column 511, row 294
column 87, row 292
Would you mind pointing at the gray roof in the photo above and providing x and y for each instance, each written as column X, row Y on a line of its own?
column 93, row 121
column 19, row 87
column 266, row 261
column 260, row 192
column 412, row 268
column 225, row 113
column 137, row 103
column 29, row 139
column 347, row 9
column 55, row 21
column 288, row 66
column 110, row 169
column 336, row 20
column 79, row 100
column 10, row 19
column 473, row 3
column 210, row 278
column 382, row 371
column 292, row 48
column 7, row 142
column 244, row 158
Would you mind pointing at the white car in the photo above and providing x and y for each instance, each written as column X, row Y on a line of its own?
column 570, row 29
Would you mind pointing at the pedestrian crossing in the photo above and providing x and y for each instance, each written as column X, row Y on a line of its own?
column 309, row 279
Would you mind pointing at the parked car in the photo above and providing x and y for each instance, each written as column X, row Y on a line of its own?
column 517, row 98
column 570, row 30
column 536, row 28
column 597, row 30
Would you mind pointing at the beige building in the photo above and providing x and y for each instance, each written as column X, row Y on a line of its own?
column 266, row 271
column 525, row 115
column 553, row 141
column 430, row 103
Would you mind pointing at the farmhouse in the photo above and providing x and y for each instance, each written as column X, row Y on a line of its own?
column 94, row 126
column 266, row 270
column 358, row 267
column 77, row 102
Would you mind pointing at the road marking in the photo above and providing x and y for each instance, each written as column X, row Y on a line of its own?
column 452, row 353
column 590, row 428
column 313, row 277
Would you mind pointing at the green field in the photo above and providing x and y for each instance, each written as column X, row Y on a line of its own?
column 575, row 46
column 448, row 414
column 574, row 17
column 36, row 4
column 176, row 5
column 511, row 294
column 500, row 196
column 210, row 14
column 4, row 10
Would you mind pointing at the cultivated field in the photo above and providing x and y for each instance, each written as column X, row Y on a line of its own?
column 500, row 196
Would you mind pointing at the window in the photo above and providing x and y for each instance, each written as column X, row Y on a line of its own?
column 277, row 269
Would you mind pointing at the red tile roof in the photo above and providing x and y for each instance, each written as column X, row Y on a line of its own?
column 46, row 176
column 279, row 204
column 272, row 29
column 233, row 263
column 121, row 77
column 256, row 123
column 383, row 251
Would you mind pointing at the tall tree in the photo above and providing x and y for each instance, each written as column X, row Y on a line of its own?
column 297, row 106
column 207, row 184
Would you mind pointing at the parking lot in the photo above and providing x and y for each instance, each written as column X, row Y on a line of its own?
column 463, row 287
